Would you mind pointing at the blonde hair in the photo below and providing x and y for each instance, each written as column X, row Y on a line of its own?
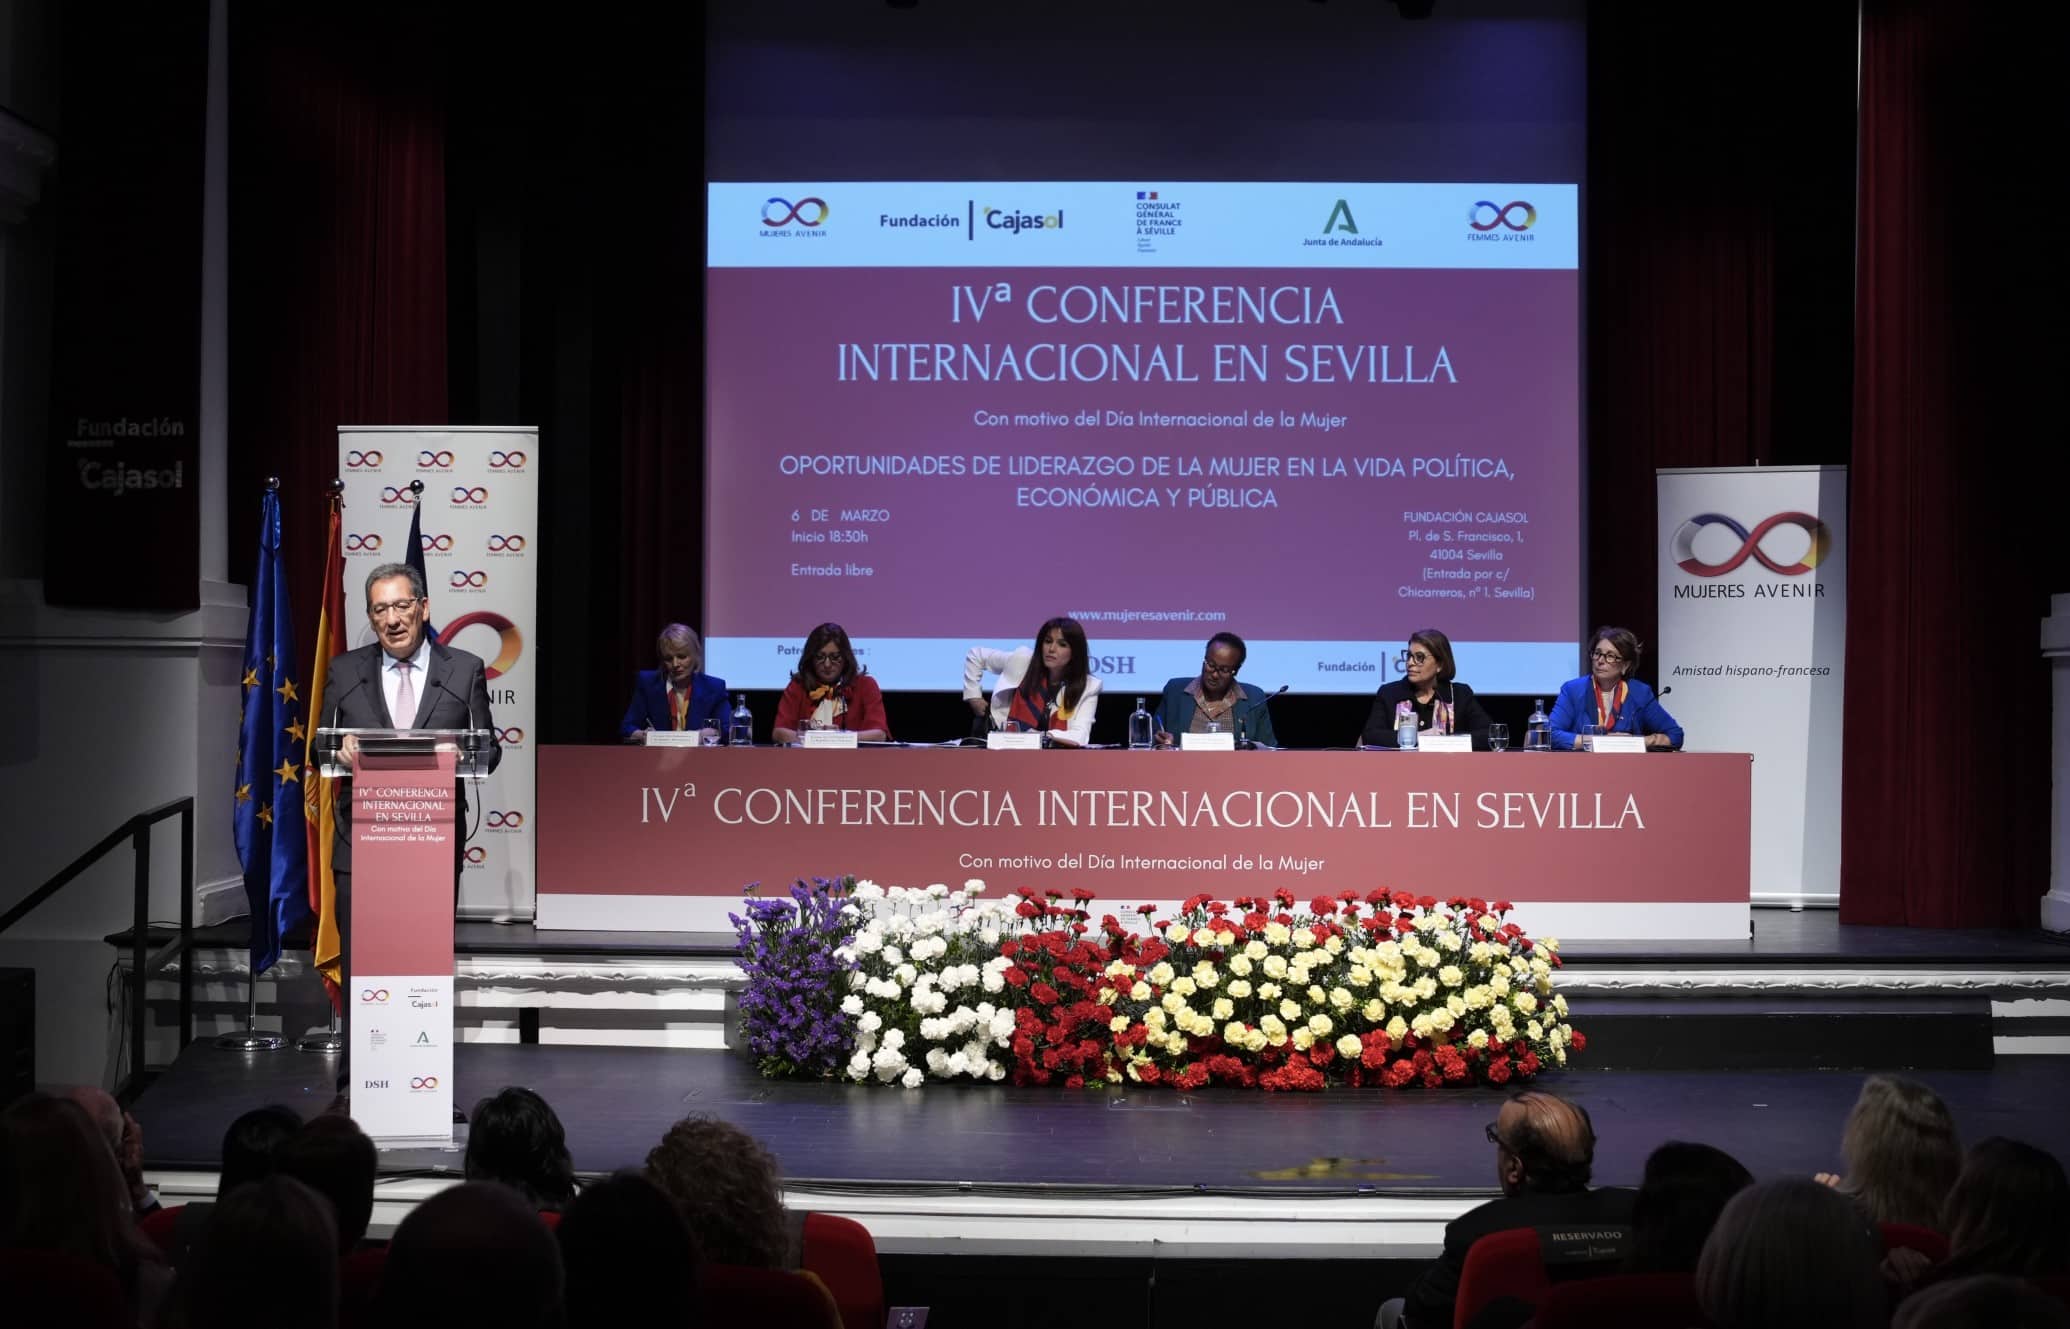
column 684, row 638
column 1901, row 1151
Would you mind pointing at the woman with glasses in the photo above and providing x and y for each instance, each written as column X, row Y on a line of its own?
column 1047, row 688
column 679, row 695
column 1611, row 698
column 1214, row 702
column 830, row 691
column 1428, row 692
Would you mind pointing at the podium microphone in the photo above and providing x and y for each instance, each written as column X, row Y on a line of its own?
column 1267, row 706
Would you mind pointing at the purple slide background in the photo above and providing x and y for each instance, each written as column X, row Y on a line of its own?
column 957, row 556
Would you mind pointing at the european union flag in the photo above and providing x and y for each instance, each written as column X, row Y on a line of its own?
column 267, row 812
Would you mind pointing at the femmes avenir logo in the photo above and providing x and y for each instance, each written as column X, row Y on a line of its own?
column 461, row 580
column 1513, row 216
column 501, row 820
column 356, row 460
column 357, row 542
column 373, row 996
column 398, row 497
column 470, row 496
column 1682, row 546
column 440, row 459
column 507, row 461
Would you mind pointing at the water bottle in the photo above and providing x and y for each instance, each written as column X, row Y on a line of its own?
column 1141, row 731
column 1537, row 730
column 1405, row 730
column 741, row 733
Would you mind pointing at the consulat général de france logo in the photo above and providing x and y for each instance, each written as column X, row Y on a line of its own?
column 1157, row 219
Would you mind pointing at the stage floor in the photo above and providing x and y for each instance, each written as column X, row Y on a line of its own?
column 616, row 1102
column 1781, row 937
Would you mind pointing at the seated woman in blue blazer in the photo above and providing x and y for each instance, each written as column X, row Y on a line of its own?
column 675, row 696
column 1609, row 696
column 1190, row 705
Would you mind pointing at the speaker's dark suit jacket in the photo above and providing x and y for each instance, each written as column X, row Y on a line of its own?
column 453, row 694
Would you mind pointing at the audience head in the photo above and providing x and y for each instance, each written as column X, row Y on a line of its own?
column 1901, row 1151
column 249, row 1144
column 725, row 1184
column 60, row 1188
column 474, row 1254
column 1792, row 1253
column 828, row 659
column 2009, row 1211
column 1543, row 1144
column 516, row 1139
column 1983, row 1301
column 1685, row 1188
column 271, row 1245
column 628, row 1253
column 119, row 1130
column 334, row 1157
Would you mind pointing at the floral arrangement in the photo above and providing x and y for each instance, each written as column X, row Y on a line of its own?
column 899, row 985
column 790, row 1007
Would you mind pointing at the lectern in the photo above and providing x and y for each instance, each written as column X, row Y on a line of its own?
column 404, row 819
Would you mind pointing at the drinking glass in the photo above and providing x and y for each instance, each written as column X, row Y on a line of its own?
column 1589, row 734
column 1498, row 737
column 708, row 737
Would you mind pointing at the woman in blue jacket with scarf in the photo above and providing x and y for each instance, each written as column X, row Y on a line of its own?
column 1610, row 697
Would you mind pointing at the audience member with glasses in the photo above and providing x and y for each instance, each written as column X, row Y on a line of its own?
column 1608, row 700
column 1213, row 702
column 1428, row 692
column 1047, row 688
column 831, row 691
column 679, row 695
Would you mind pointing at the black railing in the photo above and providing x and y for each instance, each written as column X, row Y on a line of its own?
column 143, row 961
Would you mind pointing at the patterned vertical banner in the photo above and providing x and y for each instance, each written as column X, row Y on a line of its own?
column 479, row 534
column 1753, row 637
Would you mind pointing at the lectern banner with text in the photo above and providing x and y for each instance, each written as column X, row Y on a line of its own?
column 401, row 983
column 665, row 838
column 1753, row 637
column 480, row 538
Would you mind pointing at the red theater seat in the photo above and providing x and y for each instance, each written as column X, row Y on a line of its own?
column 766, row 1298
column 844, row 1256
column 1621, row 1299
column 1908, row 1236
column 49, row 1290
column 1501, row 1264
column 162, row 1226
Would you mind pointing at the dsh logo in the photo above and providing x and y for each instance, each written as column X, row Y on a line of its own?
column 1112, row 664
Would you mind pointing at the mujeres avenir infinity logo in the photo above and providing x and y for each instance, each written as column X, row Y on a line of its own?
column 1682, row 547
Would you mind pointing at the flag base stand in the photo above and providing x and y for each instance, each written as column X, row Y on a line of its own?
column 327, row 1040
column 251, row 1038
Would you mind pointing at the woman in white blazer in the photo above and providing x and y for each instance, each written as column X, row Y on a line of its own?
column 1057, row 698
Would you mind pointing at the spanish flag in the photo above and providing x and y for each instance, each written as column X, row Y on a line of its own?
column 320, row 808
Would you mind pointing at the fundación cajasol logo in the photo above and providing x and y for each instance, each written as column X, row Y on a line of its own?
column 1013, row 221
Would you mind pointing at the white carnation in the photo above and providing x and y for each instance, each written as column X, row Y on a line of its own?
column 912, row 1079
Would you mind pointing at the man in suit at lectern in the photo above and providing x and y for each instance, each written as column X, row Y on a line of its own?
column 403, row 679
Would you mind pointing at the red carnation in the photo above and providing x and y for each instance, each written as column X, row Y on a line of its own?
column 1498, row 1071
column 1578, row 1041
column 1398, row 1074
column 1014, row 977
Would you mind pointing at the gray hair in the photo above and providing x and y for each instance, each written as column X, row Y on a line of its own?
column 684, row 638
column 386, row 570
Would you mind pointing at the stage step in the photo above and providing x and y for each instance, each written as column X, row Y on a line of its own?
column 1786, row 1032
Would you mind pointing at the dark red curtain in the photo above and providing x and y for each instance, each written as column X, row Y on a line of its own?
column 1718, row 255
column 338, row 252
column 1944, row 817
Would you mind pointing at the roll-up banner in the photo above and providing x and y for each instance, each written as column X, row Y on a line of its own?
column 479, row 532
column 1753, row 638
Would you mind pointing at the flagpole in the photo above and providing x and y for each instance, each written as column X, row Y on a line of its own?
column 251, row 1038
column 331, row 1039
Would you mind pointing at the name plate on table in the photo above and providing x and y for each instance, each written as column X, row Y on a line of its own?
column 1001, row 741
column 827, row 738
column 1207, row 742
column 1444, row 743
column 1617, row 743
column 675, row 738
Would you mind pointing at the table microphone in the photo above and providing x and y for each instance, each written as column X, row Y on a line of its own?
column 1250, row 743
